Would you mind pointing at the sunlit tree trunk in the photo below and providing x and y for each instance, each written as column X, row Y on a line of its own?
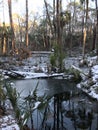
column 11, row 24
column 84, row 41
column 26, row 37
column 4, row 45
column 84, row 33
column 0, row 46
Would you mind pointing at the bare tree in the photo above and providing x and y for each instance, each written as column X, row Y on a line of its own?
column 96, row 41
column 11, row 24
column 26, row 36
column 48, row 16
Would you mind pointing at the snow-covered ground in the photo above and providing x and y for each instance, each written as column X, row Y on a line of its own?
column 8, row 123
column 37, row 67
column 90, row 84
column 30, row 75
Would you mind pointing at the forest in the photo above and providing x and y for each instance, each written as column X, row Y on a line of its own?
column 60, row 45
column 69, row 26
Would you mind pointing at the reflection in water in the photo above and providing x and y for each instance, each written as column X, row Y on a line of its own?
column 67, row 109
column 69, row 115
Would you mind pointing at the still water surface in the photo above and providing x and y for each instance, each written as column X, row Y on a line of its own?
column 78, row 104
column 48, row 86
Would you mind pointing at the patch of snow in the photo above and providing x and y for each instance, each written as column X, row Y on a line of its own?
column 93, row 94
column 8, row 123
column 95, row 69
column 90, row 88
column 36, row 105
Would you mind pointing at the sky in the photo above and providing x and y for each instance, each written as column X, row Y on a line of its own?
column 19, row 7
column 35, row 5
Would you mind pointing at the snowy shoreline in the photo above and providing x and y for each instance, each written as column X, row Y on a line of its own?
column 31, row 75
column 39, row 69
column 87, row 85
column 90, row 85
column 90, row 93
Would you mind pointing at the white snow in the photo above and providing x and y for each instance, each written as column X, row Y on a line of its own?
column 91, row 89
column 30, row 73
column 36, row 105
column 74, row 63
column 8, row 123
column 95, row 70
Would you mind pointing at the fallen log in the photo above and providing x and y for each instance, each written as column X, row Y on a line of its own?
column 14, row 75
column 79, row 70
column 79, row 74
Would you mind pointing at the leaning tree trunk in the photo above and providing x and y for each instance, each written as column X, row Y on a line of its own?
column 11, row 24
column 48, row 16
column 26, row 36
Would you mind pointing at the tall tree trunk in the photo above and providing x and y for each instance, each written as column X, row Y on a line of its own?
column 94, row 38
column 26, row 37
column 84, row 34
column 74, row 14
column 70, row 32
column 20, row 34
column 0, row 46
column 54, row 19
column 58, row 24
column 11, row 24
column 48, row 16
column 96, row 4
column 4, row 45
column 87, row 2
column 84, row 41
column 59, row 33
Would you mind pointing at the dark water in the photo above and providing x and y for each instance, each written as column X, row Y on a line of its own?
column 48, row 86
column 68, row 108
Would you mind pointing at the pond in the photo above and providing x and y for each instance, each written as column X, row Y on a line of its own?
column 67, row 109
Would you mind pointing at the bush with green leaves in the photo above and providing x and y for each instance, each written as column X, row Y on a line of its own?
column 56, row 58
column 23, row 107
